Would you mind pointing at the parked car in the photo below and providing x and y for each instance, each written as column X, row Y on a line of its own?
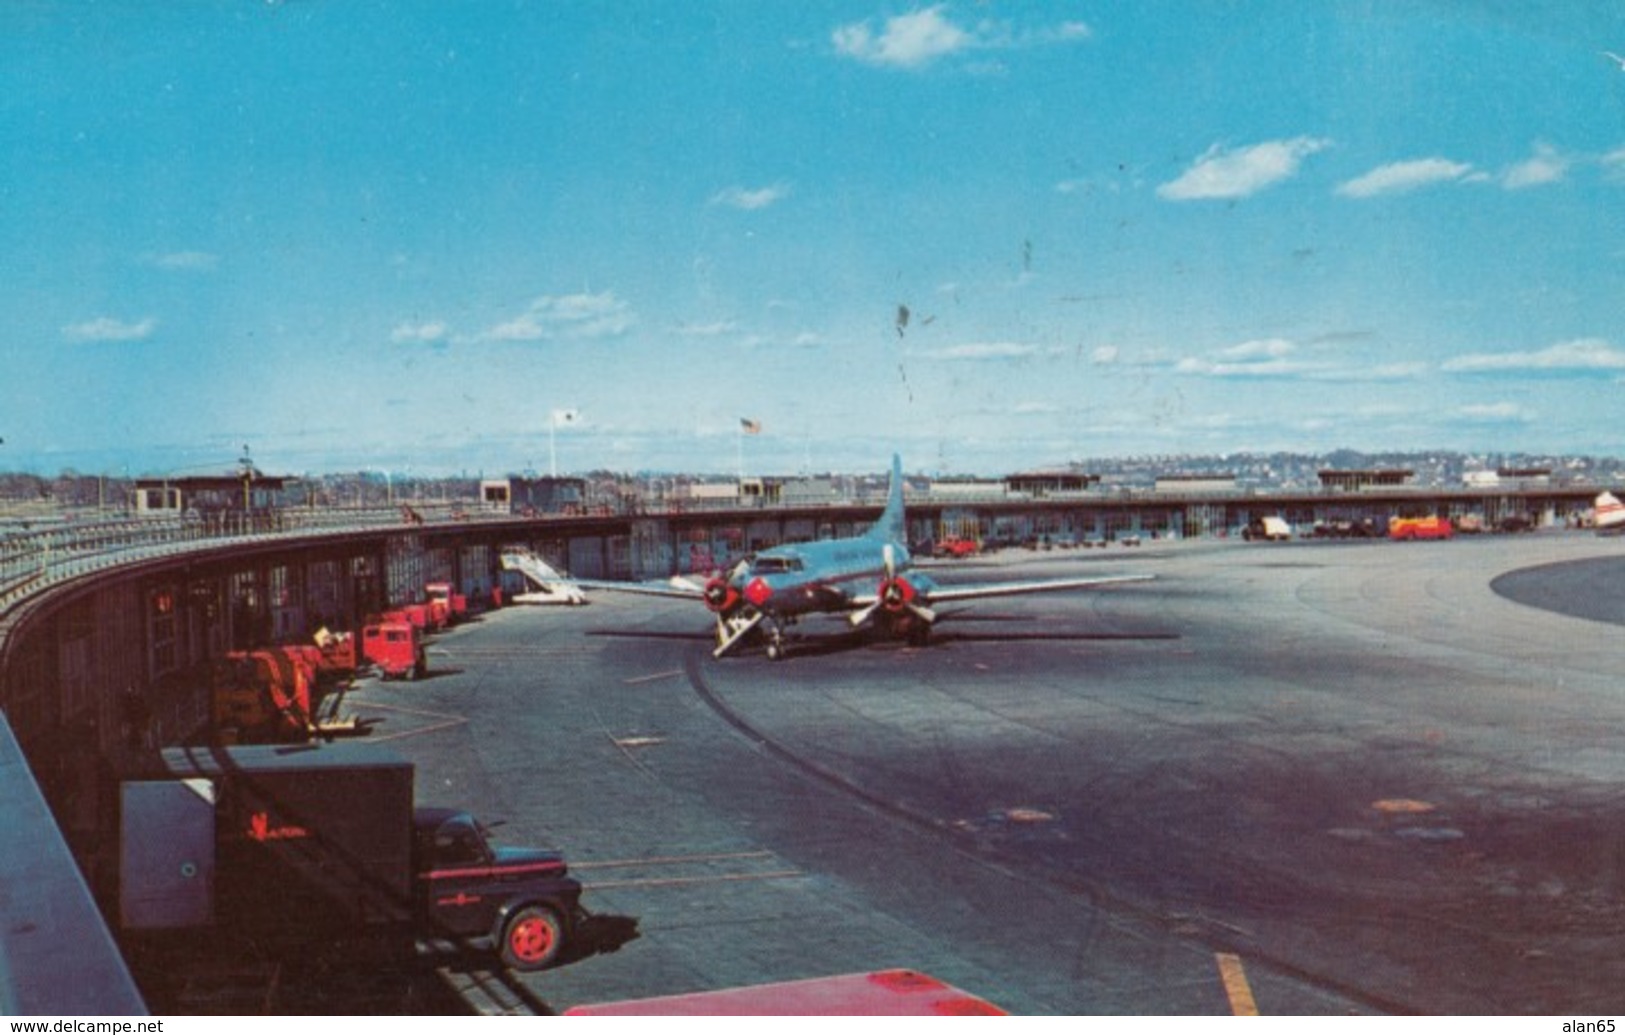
column 957, row 546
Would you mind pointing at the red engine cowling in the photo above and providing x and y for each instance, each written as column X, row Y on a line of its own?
column 720, row 595
column 896, row 594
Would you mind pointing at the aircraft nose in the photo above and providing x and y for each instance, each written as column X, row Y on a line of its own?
column 758, row 591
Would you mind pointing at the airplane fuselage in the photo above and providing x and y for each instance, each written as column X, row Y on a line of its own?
column 803, row 578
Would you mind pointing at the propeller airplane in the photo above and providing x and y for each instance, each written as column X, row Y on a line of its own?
column 866, row 578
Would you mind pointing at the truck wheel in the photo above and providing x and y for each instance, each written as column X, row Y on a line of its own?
column 532, row 938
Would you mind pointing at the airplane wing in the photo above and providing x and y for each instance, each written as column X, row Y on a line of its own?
column 677, row 586
column 937, row 594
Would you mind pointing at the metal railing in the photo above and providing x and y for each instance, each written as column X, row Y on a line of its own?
column 44, row 552
column 34, row 559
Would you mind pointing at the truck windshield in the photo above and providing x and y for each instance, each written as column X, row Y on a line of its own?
column 458, row 842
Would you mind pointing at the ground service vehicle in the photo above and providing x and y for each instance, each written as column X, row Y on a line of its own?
column 1267, row 528
column 262, row 696
column 1407, row 528
column 424, row 617
column 1469, row 524
column 454, row 604
column 394, row 645
column 290, row 844
column 1344, row 528
column 283, row 695
column 1609, row 514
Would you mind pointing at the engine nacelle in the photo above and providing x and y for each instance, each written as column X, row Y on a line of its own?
column 720, row 595
column 896, row 594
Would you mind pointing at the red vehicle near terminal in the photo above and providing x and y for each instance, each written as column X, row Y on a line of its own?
column 957, row 546
column 393, row 643
column 1406, row 528
column 444, row 598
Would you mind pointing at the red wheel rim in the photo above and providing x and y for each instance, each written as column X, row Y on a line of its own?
column 531, row 939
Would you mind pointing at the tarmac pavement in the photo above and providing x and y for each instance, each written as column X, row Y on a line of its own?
column 1342, row 777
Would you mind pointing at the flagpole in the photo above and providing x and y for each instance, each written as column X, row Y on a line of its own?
column 739, row 452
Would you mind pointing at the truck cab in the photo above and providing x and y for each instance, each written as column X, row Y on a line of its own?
column 523, row 899
column 395, row 647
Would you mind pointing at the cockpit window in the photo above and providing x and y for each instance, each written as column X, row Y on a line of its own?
column 776, row 565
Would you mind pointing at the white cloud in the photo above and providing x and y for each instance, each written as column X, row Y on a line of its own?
column 1266, row 348
column 1249, row 368
column 1398, row 177
column 1613, row 165
column 800, row 340
column 1280, row 358
column 1389, row 372
column 1581, row 356
column 567, row 316
column 989, row 350
column 106, row 328
column 1545, row 166
column 750, row 200
column 715, row 329
column 1105, row 355
column 1494, row 412
column 926, row 35
column 1243, row 172
column 906, row 41
column 419, row 333
column 1263, row 358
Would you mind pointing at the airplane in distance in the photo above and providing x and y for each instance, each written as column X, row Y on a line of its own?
column 866, row 578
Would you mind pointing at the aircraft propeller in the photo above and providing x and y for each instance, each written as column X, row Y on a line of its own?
column 896, row 595
column 720, row 594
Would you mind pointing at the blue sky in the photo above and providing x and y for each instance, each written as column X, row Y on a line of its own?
column 405, row 236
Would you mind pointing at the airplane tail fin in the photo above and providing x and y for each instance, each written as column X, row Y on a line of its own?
column 892, row 526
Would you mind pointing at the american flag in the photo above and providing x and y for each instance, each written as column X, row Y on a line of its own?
column 750, row 427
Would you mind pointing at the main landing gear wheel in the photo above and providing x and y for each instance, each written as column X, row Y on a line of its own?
column 532, row 938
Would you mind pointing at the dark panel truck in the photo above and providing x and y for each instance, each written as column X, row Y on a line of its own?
column 295, row 843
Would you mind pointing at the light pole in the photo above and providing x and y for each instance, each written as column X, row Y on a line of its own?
column 558, row 417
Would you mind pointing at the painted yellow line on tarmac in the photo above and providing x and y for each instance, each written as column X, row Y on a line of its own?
column 1235, row 985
